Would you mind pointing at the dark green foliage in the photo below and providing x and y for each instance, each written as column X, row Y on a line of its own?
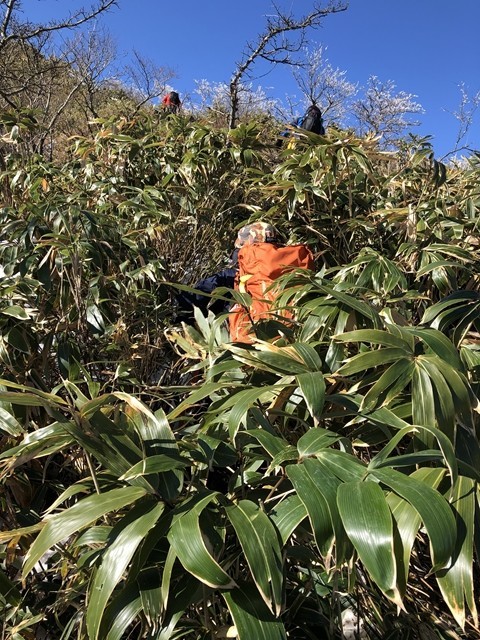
column 181, row 485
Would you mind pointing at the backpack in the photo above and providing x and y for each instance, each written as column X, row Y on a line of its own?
column 259, row 265
column 174, row 98
column 312, row 121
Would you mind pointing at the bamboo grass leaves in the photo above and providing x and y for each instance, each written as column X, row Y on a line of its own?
column 166, row 483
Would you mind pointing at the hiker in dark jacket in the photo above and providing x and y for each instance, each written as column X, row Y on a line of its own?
column 311, row 121
column 248, row 234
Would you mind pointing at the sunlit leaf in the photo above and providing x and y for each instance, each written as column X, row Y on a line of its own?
column 261, row 547
column 125, row 538
column 188, row 541
column 457, row 582
column 312, row 386
column 61, row 526
column 251, row 616
column 368, row 523
column 434, row 510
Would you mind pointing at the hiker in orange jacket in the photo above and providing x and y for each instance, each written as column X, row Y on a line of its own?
column 260, row 256
column 248, row 234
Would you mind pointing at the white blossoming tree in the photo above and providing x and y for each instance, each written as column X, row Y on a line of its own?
column 384, row 112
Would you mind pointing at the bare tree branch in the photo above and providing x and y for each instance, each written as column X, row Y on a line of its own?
column 275, row 45
column 465, row 115
column 146, row 80
column 14, row 29
column 6, row 19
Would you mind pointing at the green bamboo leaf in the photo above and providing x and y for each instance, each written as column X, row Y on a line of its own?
column 93, row 536
column 434, row 510
column 277, row 360
column 187, row 592
column 61, row 526
column 17, row 338
column 15, row 311
column 368, row 360
column 243, row 401
column 375, row 336
column 386, row 418
column 289, row 454
column 412, row 459
column 450, row 250
column 315, row 440
column 121, row 612
column 273, row 444
column 107, row 449
column 436, row 265
column 368, row 523
column 464, row 300
column 344, row 466
column 5, row 536
column 125, row 538
column 446, row 450
column 165, row 591
column 9, row 424
column 154, row 464
column 23, row 399
column 307, row 354
column 152, row 427
column 158, row 440
column 188, row 542
column 89, row 407
column 440, row 345
column 72, row 490
column 392, row 382
column 312, row 386
column 457, row 582
column 351, row 303
column 461, row 393
column 443, row 396
column 305, row 482
column 259, row 541
column 9, row 591
column 80, row 398
column 423, row 404
column 287, row 515
column 251, row 616
column 398, row 330
column 408, row 524
column 197, row 395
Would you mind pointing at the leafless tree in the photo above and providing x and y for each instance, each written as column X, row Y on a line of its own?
column 283, row 37
column 465, row 116
column 14, row 28
column 146, row 80
column 215, row 101
column 90, row 55
column 35, row 74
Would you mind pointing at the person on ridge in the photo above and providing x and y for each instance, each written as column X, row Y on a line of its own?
column 171, row 102
column 311, row 121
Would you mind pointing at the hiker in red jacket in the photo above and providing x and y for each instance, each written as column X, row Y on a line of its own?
column 171, row 102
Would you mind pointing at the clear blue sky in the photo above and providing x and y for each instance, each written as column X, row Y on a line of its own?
column 427, row 47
